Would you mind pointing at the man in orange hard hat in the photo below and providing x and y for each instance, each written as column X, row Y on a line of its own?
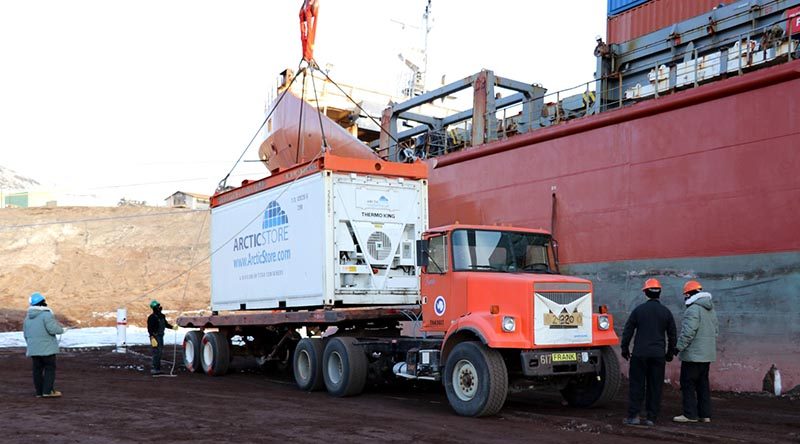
column 651, row 322
column 697, row 345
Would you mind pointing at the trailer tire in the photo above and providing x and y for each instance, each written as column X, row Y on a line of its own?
column 216, row 355
column 592, row 392
column 344, row 367
column 307, row 364
column 475, row 379
column 192, row 351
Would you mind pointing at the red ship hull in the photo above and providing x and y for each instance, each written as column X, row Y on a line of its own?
column 699, row 184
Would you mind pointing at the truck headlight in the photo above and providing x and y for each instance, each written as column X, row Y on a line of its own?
column 603, row 323
column 509, row 324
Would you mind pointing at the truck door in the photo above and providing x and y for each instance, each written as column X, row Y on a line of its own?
column 436, row 286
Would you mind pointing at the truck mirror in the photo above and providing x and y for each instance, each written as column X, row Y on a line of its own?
column 422, row 252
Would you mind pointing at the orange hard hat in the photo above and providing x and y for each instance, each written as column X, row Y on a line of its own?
column 651, row 283
column 691, row 286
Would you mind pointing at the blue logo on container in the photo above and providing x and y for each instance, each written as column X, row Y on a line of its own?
column 383, row 200
column 274, row 216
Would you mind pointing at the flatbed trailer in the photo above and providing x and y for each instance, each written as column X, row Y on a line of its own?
column 329, row 269
column 320, row 318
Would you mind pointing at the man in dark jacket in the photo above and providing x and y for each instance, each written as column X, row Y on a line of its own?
column 697, row 345
column 40, row 329
column 156, row 324
column 651, row 322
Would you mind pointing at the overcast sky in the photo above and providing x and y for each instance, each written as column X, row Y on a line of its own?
column 140, row 99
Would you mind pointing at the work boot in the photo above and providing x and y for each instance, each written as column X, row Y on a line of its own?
column 648, row 423
column 155, row 371
column 53, row 394
column 705, row 419
column 631, row 421
column 683, row 419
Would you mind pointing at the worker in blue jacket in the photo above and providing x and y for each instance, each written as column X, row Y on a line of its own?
column 40, row 329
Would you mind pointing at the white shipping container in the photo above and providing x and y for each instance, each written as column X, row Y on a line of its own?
column 328, row 239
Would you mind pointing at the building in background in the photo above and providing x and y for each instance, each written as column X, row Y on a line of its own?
column 181, row 199
column 27, row 198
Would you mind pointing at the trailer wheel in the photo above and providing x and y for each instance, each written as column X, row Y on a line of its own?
column 307, row 364
column 475, row 379
column 345, row 367
column 216, row 355
column 591, row 391
column 192, row 351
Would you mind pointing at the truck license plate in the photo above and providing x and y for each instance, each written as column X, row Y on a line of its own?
column 564, row 357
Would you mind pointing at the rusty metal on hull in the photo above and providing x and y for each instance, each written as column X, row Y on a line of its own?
column 706, row 178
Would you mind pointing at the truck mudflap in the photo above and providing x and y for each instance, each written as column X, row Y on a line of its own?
column 560, row 362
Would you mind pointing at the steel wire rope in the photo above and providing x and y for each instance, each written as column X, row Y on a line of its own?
column 223, row 182
column 183, row 298
column 300, row 121
column 319, row 112
column 97, row 219
column 213, row 252
column 186, row 272
column 208, row 256
column 396, row 143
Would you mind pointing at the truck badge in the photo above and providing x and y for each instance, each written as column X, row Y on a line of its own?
column 439, row 305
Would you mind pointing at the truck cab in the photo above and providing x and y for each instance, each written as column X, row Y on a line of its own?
column 507, row 316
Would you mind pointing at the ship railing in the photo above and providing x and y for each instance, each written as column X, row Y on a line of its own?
column 760, row 47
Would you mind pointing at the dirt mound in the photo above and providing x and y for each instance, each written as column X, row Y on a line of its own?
column 90, row 261
column 11, row 320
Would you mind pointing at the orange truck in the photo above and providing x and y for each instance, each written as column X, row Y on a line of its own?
column 341, row 281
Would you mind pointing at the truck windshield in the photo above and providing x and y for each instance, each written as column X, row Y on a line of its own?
column 503, row 251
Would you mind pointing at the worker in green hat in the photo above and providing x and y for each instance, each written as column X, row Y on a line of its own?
column 156, row 325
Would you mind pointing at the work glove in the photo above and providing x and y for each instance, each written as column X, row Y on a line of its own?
column 675, row 351
column 668, row 357
column 175, row 327
column 626, row 355
column 153, row 342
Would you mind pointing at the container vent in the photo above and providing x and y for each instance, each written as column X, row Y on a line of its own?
column 379, row 245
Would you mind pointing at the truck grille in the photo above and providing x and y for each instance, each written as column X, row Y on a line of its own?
column 562, row 297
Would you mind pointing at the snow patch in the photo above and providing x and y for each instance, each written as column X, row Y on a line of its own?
column 96, row 337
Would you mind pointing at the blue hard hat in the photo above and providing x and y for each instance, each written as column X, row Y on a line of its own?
column 36, row 298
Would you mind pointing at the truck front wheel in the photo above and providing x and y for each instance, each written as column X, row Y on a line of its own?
column 192, row 350
column 596, row 390
column 307, row 364
column 345, row 367
column 476, row 379
column 216, row 354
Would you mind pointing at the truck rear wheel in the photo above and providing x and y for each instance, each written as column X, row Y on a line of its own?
column 307, row 364
column 216, row 355
column 592, row 391
column 345, row 367
column 192, row 351
column 475, row 379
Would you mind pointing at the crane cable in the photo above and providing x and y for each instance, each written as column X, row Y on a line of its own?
column 222, row 183
column 183, row 298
